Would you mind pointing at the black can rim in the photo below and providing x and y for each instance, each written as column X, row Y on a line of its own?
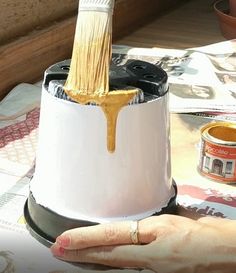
column 48, row 240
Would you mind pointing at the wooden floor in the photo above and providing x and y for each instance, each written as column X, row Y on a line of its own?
column 192, row 24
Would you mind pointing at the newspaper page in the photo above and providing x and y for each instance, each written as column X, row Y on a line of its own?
column 200, row 79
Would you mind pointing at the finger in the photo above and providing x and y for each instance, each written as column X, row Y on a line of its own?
column 100, row 235
column 211, row 220
column 132, row 256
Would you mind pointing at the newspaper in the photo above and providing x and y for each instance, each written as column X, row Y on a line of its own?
column 201, row 79
column 19, row 119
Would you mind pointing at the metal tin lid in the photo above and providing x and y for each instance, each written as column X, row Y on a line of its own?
column 223, row 133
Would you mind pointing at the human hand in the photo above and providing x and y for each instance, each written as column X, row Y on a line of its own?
column 167, row 244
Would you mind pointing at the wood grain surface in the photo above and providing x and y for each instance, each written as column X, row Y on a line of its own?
column 192, row 24
column 188, row 24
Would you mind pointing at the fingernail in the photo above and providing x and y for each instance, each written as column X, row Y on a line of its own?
column 63, row 240
column 57, row 251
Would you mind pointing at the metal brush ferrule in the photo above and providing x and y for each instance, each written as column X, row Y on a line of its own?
column 97, row 5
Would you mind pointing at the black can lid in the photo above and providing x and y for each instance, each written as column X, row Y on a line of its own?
column 151, row 80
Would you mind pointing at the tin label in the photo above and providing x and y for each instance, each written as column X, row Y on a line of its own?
column 217, row 161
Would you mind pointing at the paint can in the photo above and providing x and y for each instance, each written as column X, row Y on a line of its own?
column 217, row 158
column 93, row 185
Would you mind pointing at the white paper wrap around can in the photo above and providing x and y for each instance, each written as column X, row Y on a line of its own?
column 77, row 177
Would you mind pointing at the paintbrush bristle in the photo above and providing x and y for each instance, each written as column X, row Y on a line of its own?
column 89, row 70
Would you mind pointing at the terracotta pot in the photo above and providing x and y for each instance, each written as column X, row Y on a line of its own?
column 232, row 7
column 227, row 22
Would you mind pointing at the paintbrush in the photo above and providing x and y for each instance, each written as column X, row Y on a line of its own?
column 88, row 78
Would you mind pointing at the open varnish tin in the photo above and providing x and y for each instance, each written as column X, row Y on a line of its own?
column 217, row 158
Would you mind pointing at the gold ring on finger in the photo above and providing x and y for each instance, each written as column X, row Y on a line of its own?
column 134, row 232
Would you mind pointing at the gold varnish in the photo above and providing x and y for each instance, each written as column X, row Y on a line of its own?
column 88, row 78
column 111, row 104
column 225, row 133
